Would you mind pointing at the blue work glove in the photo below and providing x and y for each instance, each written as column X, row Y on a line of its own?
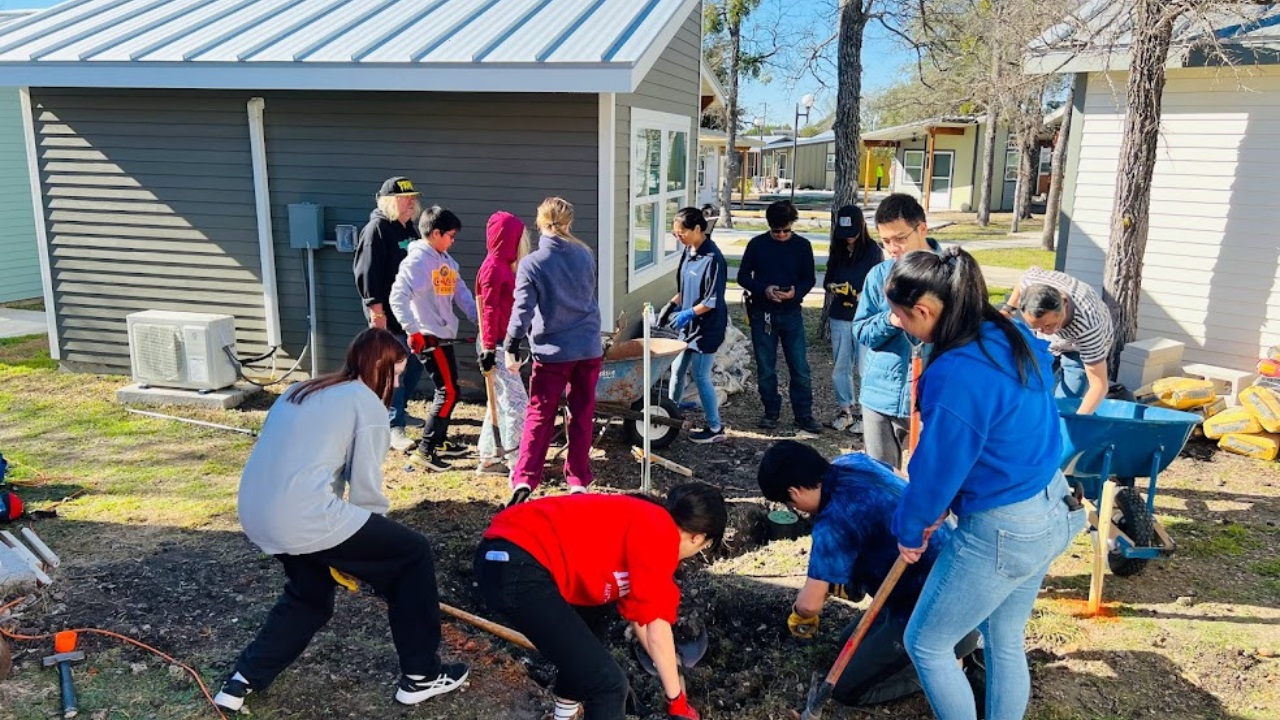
column 683, row 318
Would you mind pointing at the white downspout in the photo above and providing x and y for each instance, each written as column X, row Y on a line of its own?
column 266, row 242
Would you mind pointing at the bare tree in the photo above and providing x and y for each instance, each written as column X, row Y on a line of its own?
column 1053, row 206
column 848, row 130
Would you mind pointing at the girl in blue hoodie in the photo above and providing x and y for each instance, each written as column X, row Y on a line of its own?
column 989, row 453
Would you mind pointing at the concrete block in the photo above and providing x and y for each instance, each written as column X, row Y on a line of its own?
column 1134, row 375
column 1155, row 351
column 224, row 399
column 1227, row 382
column 16, row 575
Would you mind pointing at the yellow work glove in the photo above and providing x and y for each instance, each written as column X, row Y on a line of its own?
column 841, row 289
column 802, row 627
column 344, row 579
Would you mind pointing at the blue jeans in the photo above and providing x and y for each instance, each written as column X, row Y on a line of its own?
column 701, row 364
column 1068, row 370
column 408, row 383
column 844, row 351
column 789, row 331
column 1009, row 549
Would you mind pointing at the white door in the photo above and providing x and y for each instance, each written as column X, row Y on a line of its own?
column 944, row 167
column 912, row 180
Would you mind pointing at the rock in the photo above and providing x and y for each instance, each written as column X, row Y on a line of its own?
column 1261, row 652
column 1184, row 601
column 137, row 668
column 16, row 576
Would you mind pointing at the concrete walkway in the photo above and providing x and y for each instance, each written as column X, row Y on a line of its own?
column 16, row 323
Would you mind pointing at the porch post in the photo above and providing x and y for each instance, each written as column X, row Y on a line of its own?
column 928, row 168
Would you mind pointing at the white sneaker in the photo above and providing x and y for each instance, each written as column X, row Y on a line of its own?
column 401, row 442
column 412, row 692
column 856, row 428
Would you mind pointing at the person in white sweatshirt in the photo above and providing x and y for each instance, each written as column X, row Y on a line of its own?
column 426, row 290
column 311, row 495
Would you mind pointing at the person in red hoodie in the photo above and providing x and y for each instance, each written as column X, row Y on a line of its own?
column 507, row 240
column 548, row 564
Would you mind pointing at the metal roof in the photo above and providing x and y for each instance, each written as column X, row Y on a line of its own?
column 921, row 127
column 466, row 45
column 1097, row 34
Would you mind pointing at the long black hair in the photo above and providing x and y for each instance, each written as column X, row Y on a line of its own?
column 955, row 279
column 841, row 255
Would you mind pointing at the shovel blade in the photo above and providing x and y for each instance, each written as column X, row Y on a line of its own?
column 819, row 693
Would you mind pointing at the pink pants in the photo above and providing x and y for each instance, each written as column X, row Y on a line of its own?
column 545, row 387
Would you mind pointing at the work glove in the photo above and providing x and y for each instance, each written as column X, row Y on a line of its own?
column 419, row 342
column 488, row 360
column 802, row 627
column 840, row 288
column 515, row 354
column 679, row 707
column 343, row 579
column 683, row 318
column 664, row 317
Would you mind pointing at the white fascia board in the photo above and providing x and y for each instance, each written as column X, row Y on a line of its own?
column 42, row 229
column 606, row 229
column 1087, row 61
column 594, row 78
column 655, row 50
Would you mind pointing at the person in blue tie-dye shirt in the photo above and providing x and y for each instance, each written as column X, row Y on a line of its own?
column 851, row 501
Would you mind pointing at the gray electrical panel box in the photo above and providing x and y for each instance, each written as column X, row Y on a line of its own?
column 306, row 226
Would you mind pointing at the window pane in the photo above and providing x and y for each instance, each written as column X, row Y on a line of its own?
column 642, row 240
column 647, row 163
column 831, row 162
column 670, row 245
column 677, row 160
column 913, row 166
column 1011, row 165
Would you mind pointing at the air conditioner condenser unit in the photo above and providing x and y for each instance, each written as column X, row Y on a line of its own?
column 182, row 350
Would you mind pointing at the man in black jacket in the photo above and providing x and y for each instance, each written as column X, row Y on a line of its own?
column 777, row 270
column 379, row 252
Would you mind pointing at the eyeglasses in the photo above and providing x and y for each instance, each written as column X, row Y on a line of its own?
column 900, row 239
column 780, row 232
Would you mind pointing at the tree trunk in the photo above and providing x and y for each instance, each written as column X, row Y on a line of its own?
column 734, row 166
column 1122, row 281
column 988, row 165
column 853, row 21
column 1053, row 206
column 1026, row 140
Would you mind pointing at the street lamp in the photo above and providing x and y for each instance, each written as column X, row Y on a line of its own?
column 807, row 103
column 759, row 125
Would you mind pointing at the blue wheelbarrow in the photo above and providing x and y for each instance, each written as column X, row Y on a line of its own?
column 620, row 391
column 1103, row 454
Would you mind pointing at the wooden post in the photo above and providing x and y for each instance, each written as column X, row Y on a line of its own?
column 928, row 169
column 744, row 177
column 1101, row 545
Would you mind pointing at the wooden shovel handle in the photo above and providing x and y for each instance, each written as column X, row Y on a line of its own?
column 488, row 626
column 868, row 617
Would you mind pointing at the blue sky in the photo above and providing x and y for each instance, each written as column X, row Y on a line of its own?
column 883, row 59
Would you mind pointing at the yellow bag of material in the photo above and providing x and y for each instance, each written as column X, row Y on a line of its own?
column 1234, row 421
column 1273, row 353
column 1261, row 447
column 1264, row 405
column 1219, row 405
column 1184, row 393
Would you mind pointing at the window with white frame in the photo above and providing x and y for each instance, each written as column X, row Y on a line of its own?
column 1011, row 159
column 831, row 162
column 659, row 188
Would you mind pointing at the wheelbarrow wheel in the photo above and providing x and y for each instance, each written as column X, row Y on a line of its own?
column 660, row 436
column 1132, row 518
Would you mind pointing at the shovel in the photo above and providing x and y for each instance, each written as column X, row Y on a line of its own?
column 688, row 653
column 820, row 691
column 503, row 452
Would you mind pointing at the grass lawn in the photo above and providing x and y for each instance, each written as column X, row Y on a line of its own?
column 152, row 548
column 1020, row 258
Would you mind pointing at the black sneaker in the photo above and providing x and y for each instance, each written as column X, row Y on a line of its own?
column 975, row 671
column 706, row 436
column 231, row 696
column 519, row 495
column 431, row 460
column 768, row 422
column 451, row 449
column 809, row 425
column 412, row 692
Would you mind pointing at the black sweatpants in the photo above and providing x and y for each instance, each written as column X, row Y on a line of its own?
column 881, row 671
column 516, row 585
column 443, row 369
column 394, row 560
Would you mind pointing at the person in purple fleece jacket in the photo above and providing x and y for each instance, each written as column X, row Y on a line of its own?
column 989, row 453
column 556, row 308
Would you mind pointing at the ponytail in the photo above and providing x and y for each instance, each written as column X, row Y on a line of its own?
column 956, row 281
column 555, row 215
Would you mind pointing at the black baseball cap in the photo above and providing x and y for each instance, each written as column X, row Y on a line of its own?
column 847, row 223
column 398, row 185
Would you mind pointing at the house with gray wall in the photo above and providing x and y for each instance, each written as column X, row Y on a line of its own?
column 170, row 137
column 19, row 260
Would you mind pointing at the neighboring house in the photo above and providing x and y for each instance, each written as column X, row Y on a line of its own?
column 170, row 137
column 19, row 258
column 713, row 164
column 1211, row 271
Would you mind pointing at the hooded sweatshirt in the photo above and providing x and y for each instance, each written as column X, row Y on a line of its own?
column 555, row 302
column 496, row 281
column 988, row 439
column 425, row 291
column 308, row 457
column 379, row 252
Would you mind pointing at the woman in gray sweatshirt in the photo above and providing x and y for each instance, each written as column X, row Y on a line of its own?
column 324, row 439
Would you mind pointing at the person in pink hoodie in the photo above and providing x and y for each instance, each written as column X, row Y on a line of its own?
column 506, row 239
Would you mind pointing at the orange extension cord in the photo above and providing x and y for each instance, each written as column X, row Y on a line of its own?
column 98, row 631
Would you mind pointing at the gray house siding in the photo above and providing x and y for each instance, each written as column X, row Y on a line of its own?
column 19, row 261
column 671, row 86
column 149, row 197
column 811, row 166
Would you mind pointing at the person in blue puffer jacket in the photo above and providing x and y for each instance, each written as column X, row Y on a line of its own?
column 886, row 350
column 986, row 377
